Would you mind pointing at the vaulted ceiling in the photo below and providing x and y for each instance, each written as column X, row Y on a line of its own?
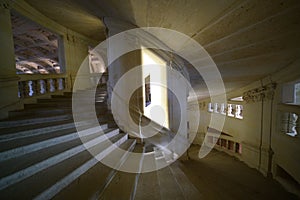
column 36, row 48
column 248, row 40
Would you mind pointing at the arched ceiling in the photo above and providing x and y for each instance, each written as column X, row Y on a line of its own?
column 248, row 40
column 36, row 48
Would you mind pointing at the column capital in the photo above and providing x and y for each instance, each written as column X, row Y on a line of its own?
column 261, row 93
column 115, row 26
column 5, row 4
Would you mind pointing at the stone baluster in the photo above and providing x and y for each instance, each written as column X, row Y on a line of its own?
column 41, row 86
column 26, row 88
column 61, row 83
column 21, row 86
column 35, row 87
column 55, row 84
column 50, row 85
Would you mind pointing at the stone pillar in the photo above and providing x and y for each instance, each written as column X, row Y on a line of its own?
column 8, row 79
column 124, row 63
column 76, row 57
column 119, row 66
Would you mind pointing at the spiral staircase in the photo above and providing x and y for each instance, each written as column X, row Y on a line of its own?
column 45, row 155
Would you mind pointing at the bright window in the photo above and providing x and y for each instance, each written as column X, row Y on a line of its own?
column 290, row 123
column 154, row 88
column 291, row 93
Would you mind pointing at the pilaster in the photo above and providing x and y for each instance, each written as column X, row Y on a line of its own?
column 8, row 79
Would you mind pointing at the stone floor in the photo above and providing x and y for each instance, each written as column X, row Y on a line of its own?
column 218, row 176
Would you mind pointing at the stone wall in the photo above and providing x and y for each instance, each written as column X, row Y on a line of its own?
column 264, row 145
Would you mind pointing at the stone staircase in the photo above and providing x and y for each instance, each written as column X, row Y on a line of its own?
column 167, row 183
column 41, row 152
column 43, row 156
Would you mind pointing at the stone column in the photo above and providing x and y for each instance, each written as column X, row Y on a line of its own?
column 8, row 79
column 119, row 66
column 124, row 63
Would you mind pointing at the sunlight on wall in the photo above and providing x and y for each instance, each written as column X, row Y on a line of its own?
column 155, row 68
column 297, row 93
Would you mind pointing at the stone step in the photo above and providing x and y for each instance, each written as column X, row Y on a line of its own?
column 47, row 173
column 86, row 99
column 99, row 88
column 21, row 131
column 69, row 99
column 50, row 128
column 70, row 94
column 16, row 129
column 63, row 105
column 11, row 143
column 80, row 93
column 89, row 93
column 92, row 182
column 148, row 186
column 13, row 147
column 37, row 113
column 35, row 120
column 40, row 147
column 48, row 105
column 151, row 185
column 40, row 151
column 173, row 191
column 101, row 91
column 60, row 103
column 80, row 106
column 188, row 189
column 165, row 176
column 55, row 96
column 40, row 113
column 123, row 182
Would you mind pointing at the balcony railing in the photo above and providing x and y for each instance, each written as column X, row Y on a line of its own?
column 36, row 85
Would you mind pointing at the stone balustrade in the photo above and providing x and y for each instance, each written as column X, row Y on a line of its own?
column 36, row 85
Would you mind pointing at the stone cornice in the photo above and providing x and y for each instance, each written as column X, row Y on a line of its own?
column 259, row 94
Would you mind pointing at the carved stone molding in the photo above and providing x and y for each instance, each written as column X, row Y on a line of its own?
column 115, row 26
column 262, row 93
column 71, row 38
column 6, row 4
column 202, row 105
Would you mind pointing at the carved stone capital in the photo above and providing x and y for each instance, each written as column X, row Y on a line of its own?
column 6, row 4
column 262, row 93
column 115, row 26
column 270, row 92
column 202, row 106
